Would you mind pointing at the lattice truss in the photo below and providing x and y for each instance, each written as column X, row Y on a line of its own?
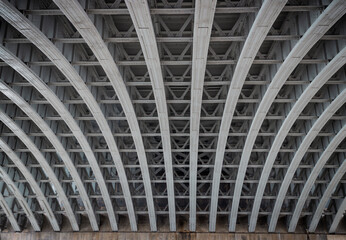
column 129, row 111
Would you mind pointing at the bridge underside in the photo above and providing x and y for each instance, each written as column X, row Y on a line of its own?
column 173, row 115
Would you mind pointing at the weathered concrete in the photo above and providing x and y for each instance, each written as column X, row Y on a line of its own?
column 166, row 235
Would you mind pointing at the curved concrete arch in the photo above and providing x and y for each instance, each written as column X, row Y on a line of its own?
column 21, row 200
column 80, row 20
column 47, row 131
column 263, row 22
column 140, row 15
column 340, row 213
column 44, row 164
column 326, row 196
column 56, row 103
column 313, row 176
column 325, row 21
column 9, row 214
column 327, row 72
column 30, row 31
column 32, row 182
column 309, row 138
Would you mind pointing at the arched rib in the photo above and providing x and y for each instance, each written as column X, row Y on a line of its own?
column 338, row 216
column 80, row 20
column 326, row 196
column 60, row 108
column 47, row 131
column 29, row 30
column 259, row 30
column 9, row 214
column 309, row 138
column 204, row 16
column 45, row 166
column 56, row 103
column 325, row 21
column 313, row 176
column 338, row 62
column 20, row 198
column 45, row 206
column 140, row 14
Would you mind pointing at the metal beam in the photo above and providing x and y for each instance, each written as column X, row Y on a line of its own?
column 325, row 21
column 28, row 29
column 177, row 11
column 278, row 166
column 256, row 36
column 226, row 197
column 149, row 48
column 45, row 206
column 76, row 14
column 178, row 150
column 114, row 180
column 90, row 63
column 313, row 176
column 200, row 213
column 140, row 15
column 66, row 116
column 185, row 84
column 338, row 216
column 204, row 16
column 97, row 134
column 311, row 135
column 9, row 214
column 328, row 71
column 208, row 197
column 76, row 40
column 186, row 118
column 20, row 198
column 47, row 131
column 161, row 181
column 182, row 101
column 45, row 166
column 326, row 196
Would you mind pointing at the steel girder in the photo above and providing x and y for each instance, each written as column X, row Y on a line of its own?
column 338, row 216
column 43, row 126
column 203, row 20
column 39, row 190
column 303, row 100
column 326, row 196
column 314, row 174
column 140, row 15
column 38, row 38
column 20, row 198
column 317, row 127
column 291, row 61
column 9, row 214
column 118, row 89
column 257, row 34
column 48, row 171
